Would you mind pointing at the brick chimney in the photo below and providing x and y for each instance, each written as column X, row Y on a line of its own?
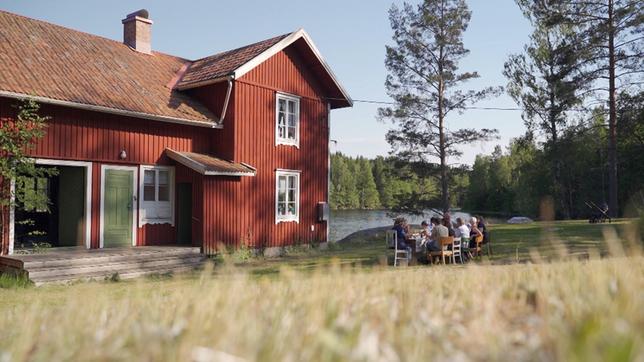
column 137, row 31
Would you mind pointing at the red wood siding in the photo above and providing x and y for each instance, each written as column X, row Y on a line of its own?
column 244, row 209
column 80, row 135
column 226, row 210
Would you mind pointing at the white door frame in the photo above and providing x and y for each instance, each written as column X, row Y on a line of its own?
column 135, row 203
column 88, row 198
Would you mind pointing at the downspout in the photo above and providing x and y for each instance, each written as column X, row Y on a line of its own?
column 225, row 108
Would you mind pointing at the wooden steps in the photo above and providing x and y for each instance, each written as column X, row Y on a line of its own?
column 61, row 266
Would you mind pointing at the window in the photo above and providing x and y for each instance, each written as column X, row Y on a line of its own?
column 288, row 120
column 35, row 194
column 157, row 204
column 287, row 206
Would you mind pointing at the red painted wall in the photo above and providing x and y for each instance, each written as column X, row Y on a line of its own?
column 226, row 210
column 80, row 135
column 250, row 216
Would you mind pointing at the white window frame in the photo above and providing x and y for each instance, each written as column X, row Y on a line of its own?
column 142, row 203
column 287, row 218
column 286, row 141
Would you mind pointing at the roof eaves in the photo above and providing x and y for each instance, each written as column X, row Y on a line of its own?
column 122, row 112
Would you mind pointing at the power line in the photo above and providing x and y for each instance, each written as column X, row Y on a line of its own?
column 369, row 101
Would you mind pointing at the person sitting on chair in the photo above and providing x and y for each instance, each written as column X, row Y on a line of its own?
column 474, row 232
column 483, row 228
column 461, row 231
column 438, row 231
column 400, row 225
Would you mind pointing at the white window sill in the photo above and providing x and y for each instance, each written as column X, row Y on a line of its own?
column 295, row 220
column 157, row 221
column 288, row 143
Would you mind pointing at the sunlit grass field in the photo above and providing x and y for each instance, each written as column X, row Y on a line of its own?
column 563, row 291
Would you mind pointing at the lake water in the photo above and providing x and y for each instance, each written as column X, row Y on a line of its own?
column 346, row 222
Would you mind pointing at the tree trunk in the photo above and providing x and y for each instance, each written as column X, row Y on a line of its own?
column 612, row 117
column 443, row 151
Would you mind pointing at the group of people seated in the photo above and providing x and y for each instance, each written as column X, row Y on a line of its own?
column 428, row 238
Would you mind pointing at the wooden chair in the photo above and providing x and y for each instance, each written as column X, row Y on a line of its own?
column 392, row 243
column 465, row 247
column 477, row 246
column 457, row 250
column 444, row 242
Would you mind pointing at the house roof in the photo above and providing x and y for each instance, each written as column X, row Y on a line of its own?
column 235, row 63
column 210, row 165
column 58, row 65
column 223, row 64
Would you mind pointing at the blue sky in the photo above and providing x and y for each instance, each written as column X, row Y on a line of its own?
column 350, row 34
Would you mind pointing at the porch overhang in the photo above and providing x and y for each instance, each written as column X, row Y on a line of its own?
column 209, row 165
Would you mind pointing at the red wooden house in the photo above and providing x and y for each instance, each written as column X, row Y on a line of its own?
column 154, row 149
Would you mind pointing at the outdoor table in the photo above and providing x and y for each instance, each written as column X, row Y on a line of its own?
column 412, row 243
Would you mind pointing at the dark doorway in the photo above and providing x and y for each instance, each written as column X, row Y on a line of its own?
column 61, row 220
column 184, row 213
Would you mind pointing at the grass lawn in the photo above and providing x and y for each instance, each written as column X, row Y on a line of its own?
column 345, row 304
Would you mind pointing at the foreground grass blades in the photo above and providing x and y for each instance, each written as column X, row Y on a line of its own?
column 344, row 304
column 565, row 311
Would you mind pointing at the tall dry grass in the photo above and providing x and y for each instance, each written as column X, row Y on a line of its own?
column 570, row 310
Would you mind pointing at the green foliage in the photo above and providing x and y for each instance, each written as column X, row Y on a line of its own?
column 366, row 185
column 427, row 86
column 344, row 194
column 17, row 138
column 387, row 183
column 14, row 281
column 515, row 181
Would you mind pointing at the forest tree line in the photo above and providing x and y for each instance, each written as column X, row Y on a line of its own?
column 513, row 180
column 577, row 82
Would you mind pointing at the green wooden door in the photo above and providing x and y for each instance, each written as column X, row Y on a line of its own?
column 118, row 208
column 71, row 206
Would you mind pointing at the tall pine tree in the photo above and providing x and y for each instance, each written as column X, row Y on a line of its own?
column 426, row 85
column 546, row 82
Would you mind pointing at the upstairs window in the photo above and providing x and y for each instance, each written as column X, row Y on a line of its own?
column 157, row 203
column 287, row 206
column 288, row 120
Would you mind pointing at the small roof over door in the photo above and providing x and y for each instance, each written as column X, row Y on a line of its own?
column 210, row 165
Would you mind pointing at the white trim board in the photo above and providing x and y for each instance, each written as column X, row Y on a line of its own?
column 88, row 198
column 135, row 203
column 276, row 48
column 12, row 217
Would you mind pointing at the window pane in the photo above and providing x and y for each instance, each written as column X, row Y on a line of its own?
column 163, row 177
column 291, row 208
column 291, row 107
column 291, row 195
column 291, row 120
column 282, row 131
column 148, row 185
column 280, row 119
column 164, row 186
column 281, row 209
column 282, row 183
column 281, row 196
column 291, row 182
column 282, row 105
column 291, row 133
